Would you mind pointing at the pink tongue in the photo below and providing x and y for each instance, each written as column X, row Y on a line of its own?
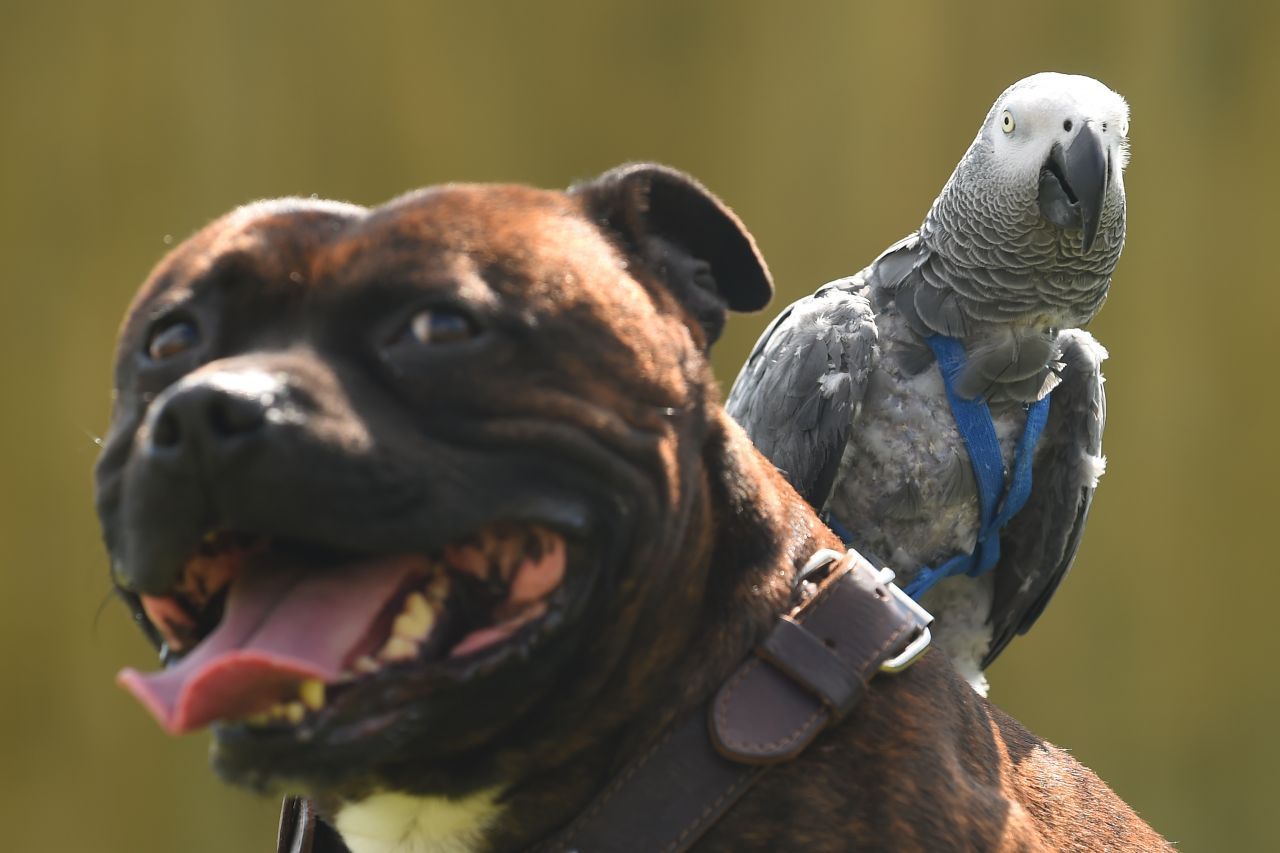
column 279, row 628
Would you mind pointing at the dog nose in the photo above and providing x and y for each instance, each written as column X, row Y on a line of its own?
column 212, row 413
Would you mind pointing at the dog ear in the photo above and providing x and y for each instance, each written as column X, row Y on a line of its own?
column 688, row 238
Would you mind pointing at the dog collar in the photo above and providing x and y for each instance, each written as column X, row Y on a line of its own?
column 849, row 623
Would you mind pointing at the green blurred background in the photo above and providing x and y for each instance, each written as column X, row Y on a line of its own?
column 829, row 127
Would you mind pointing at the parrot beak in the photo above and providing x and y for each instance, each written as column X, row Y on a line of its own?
column 1073, row 184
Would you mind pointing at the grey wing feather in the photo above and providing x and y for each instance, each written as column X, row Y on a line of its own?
column 801, row 387
column 1038, row 546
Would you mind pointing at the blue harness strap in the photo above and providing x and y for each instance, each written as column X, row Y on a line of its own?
column 996, row 503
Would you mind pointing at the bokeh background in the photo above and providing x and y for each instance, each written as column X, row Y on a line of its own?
column 829, row 127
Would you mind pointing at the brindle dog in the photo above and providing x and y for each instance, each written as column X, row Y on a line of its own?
column 435, row 515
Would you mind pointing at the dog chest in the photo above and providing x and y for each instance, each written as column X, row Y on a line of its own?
column 401, row 823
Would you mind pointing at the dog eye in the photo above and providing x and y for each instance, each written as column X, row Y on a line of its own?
column 172, row 339
column 440, row 326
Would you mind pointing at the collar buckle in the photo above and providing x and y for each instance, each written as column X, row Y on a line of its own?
column 920, row 644
column 822, row 563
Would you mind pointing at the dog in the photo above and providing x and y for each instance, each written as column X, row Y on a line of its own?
column 435, row 516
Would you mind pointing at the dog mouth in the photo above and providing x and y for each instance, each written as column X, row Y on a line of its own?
column 271, row 634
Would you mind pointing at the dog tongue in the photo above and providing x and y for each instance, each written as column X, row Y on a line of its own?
column 279, row 628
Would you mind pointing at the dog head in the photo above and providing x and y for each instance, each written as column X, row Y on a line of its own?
column 393, row 488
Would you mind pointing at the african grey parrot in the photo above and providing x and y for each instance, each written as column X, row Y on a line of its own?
column 843, row 392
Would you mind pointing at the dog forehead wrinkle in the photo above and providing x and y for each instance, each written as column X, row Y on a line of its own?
column 536, row 249
column 576, row 274
column 222, row 255
column 402, row 266
column 587, row 273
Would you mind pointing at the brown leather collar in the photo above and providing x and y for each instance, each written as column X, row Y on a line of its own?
column 851, row 622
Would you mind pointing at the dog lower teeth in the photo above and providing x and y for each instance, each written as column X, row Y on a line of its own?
column 312, row 694
column 398, row 648
column 364, row 665
column 416, row 620
column 310, row 698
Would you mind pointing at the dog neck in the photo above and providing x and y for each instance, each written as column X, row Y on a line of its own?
column 402, row 823
column 759, row 542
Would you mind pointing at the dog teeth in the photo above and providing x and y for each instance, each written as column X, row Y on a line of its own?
column 416, row 620
column 398, row 648
column 311, row 692
column 290, row 712
column 366, row 664
column 438, row 588
column 310, row 698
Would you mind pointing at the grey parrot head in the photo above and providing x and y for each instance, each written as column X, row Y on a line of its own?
column 1042, row 185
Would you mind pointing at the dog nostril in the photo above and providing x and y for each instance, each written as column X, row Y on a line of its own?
column 232, row 414
column 208, row 416
column 166, row 432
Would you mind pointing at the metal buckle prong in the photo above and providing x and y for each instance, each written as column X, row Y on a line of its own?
column 916, row 647
column 820, row 558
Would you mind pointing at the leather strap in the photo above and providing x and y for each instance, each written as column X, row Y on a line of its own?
column 808, row 674
column 661, row 802
column 814, row 666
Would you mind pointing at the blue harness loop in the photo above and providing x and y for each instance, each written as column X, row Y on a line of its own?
column 973, row 420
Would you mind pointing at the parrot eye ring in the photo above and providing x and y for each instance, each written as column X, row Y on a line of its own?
column 1006, row 122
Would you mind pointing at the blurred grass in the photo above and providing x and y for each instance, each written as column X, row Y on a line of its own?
column 829, row 126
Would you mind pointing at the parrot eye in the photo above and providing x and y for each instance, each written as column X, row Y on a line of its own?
column 1006, row 122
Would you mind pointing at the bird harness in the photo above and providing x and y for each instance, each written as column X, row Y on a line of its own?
column 997, row 503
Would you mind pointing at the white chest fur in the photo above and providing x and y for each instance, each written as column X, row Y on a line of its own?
column 400, row 823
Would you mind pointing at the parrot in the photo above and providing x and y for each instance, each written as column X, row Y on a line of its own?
column 943, row 408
